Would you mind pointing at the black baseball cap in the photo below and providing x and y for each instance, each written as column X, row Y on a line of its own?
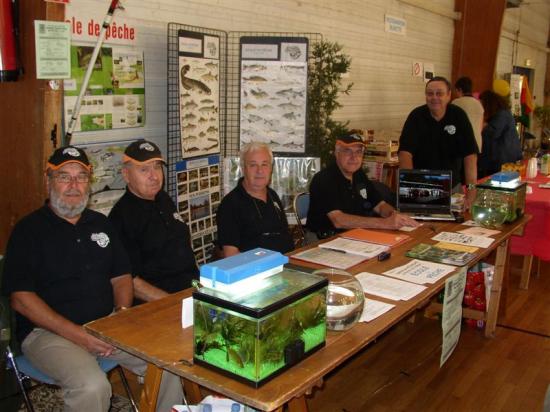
column 350, row 139
column 68, row 154
column 142, row 151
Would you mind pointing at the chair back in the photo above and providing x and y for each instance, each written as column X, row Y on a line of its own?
column 301, row 207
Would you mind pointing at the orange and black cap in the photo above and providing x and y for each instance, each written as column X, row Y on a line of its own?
column 68, row 154
column 142, row 151
column 350, row 140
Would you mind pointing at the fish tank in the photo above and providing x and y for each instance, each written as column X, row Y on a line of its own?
column 254, row 336
column 510, row 195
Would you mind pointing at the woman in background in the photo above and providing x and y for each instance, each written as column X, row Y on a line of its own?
column 500, row 140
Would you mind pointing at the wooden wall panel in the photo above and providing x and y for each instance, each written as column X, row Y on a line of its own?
column 476, row 40
column 22, row 110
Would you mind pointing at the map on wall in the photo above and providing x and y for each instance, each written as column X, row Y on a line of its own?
column 199, row 81
column 198, row 187
column 115, row 96
column 273, row 93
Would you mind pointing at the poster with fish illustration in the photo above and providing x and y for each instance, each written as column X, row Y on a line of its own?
column 198, row 188
column 273, row 95
column 199, row 97
column 115, row 98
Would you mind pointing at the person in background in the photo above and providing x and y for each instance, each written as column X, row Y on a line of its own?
column 471, row 105
column 501, row 142
column 65, row 266
column 154, row 234
column 439, row 136
column 252, row 215
column 343, row 197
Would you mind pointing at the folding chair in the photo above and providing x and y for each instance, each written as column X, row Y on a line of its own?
column 300, row 206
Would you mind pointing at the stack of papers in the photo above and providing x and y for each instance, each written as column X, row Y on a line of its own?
column 365, row 249
column 387, row 287
column 330, row 258
column 464, row 239
column 373, row 309
column 420, row 272
column 438, row 254
column 371, row 236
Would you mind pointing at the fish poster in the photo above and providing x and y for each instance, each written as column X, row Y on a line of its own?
column 273, row 94
column 107, row 185
column 199, row 97
column 115, row 97
column 198, row 188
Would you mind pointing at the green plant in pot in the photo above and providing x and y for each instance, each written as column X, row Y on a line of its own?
column 324, row 88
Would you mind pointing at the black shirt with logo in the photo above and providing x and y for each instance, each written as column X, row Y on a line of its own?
column 157, row 240
column 439, row 145
column 330, row 190
column 68, row 266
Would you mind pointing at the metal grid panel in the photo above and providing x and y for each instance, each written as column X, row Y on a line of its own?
column 230, row 145
column 174, row 133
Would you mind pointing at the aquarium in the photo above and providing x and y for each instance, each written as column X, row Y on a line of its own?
column 511, row 198
column 255, row 336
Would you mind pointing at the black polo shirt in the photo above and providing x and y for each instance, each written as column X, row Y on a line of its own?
column 69, row 266
column 246, row 222
column 331, row 190
column 439, row 145
column 157, row 240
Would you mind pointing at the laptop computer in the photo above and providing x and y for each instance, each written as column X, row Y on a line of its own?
column 425, row 194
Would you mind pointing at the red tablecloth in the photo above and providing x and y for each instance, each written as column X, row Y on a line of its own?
column 536, row 238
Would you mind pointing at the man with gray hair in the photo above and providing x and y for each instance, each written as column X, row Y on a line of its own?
column 252, row 215
column 65, row 266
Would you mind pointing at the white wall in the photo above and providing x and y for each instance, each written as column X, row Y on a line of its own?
column 384, row 90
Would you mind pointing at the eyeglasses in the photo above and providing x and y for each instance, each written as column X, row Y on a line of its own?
column 351, row 152
column 67, row 178
column 437, row 93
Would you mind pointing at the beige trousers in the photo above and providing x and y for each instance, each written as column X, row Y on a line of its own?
column 85, row 387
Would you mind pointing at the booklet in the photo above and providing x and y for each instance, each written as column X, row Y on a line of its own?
column 433, row 253
column 365, row 249
column 330, row 258
column 381, row 238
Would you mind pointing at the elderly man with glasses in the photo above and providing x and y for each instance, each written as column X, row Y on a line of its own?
column 342, row 196
column 65, row 266
column 439, row 136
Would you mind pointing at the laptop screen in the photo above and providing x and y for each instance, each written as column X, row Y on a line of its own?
column 424, row 191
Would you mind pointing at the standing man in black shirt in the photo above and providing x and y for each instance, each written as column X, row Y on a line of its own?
column 342, row 196
column 439, row 136
column 153, row 233
column 65, row 266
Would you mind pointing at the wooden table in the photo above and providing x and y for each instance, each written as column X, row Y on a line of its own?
column 153, row 332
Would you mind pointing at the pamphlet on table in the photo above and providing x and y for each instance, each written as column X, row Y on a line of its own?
column 418, row 271
column 387, row 287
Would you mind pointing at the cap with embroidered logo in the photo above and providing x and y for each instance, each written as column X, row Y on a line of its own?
column 68, row 154
column 350, row 139
column 142, row 151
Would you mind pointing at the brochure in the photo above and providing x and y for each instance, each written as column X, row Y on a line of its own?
column 365, row 249
column 381, row 238
column 433, row 253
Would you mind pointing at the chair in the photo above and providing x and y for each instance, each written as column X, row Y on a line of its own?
column 24, row 371
column 300, row 206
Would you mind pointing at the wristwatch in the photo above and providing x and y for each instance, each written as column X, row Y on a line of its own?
column 471, row 186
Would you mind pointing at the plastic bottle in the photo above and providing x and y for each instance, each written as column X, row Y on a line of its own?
column 545, row 164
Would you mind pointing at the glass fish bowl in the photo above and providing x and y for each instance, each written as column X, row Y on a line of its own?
column 345, row 298
column 490, row 208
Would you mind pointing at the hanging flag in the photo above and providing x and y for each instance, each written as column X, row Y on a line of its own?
column 527, row 105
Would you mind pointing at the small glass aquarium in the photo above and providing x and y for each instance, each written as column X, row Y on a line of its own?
column 504, row 201
column 254, row 335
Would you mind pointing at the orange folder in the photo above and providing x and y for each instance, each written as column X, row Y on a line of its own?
column 381, row 238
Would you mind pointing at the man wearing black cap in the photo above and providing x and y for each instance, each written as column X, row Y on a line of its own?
column 342, row 196
column 65, row 266
column 154, row 234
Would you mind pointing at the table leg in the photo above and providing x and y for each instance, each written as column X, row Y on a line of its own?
column 298, row 404
column 496, row 289
column 192, row 391
column 150, row 391
column 526, row 271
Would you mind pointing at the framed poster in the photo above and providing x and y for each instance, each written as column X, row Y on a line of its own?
column 199, row 97
column 198, row 187
column 273, row 93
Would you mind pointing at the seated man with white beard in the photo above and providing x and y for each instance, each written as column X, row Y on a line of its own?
column 65, row 266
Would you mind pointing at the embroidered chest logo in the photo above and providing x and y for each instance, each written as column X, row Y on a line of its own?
column 101, row 239
column 363, row 193
column 450, row 128
column 178, row 217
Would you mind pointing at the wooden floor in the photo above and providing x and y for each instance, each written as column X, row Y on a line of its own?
column 400, row 372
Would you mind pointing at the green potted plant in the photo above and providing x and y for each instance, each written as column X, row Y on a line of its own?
column 324, row 88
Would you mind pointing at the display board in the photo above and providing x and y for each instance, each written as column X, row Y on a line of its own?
column 198, row 188
column 273, row 93
column 115, row 97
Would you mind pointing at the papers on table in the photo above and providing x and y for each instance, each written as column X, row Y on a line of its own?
column 463, row 239
column 387, row 287
column 330, row 258
column 418, row 271
column 365, row 249
column 373, row 309
column 479, row 231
